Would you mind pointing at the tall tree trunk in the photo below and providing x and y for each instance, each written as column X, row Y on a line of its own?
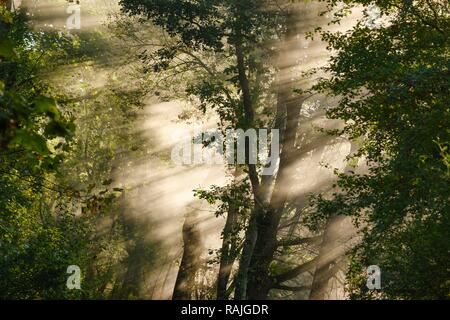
column 10, row 5
column 228, row 255
column 129, row 284
column 252, row 229
column 191, row 260
column 251, row 235
column 328, row 261
column 259, row 281
column 266, row 243
column 189, row 266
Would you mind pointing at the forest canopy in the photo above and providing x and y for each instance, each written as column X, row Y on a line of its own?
column 355, row 97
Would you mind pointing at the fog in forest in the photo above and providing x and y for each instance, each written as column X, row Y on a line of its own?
column 146, row 230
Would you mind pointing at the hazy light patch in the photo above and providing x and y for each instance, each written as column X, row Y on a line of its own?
column 51, row 14
column 158, row 193
column 161, row 193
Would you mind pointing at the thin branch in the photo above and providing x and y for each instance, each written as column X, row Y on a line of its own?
column 296, row 271
column 289, row 288
column 299, row 241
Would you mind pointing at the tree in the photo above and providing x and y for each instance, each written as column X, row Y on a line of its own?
column 232, row 28
column 393, row 81
column 50, row 212
column 35, row 247
column 246, row 37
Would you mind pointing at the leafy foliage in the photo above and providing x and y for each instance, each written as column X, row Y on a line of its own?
column 49, row 213
column 393, row 81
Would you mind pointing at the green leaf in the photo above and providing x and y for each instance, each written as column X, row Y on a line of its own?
column 56, row 129
column 7, row 49
column 31, row 141
column 48, row 106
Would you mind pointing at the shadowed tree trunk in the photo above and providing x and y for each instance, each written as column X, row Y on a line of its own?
column 259, row 282
column 228, row 251
column 226, row 258
column 329, row 261
column 191, row 260
column 289, row 103
column 252, row 231
column 130, row 284
column 9, row 5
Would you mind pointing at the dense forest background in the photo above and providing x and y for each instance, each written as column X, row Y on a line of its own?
column 358, row 90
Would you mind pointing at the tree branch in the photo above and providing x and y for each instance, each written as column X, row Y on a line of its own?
column 288, row 288
column 296, row 271
column 299, row 241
